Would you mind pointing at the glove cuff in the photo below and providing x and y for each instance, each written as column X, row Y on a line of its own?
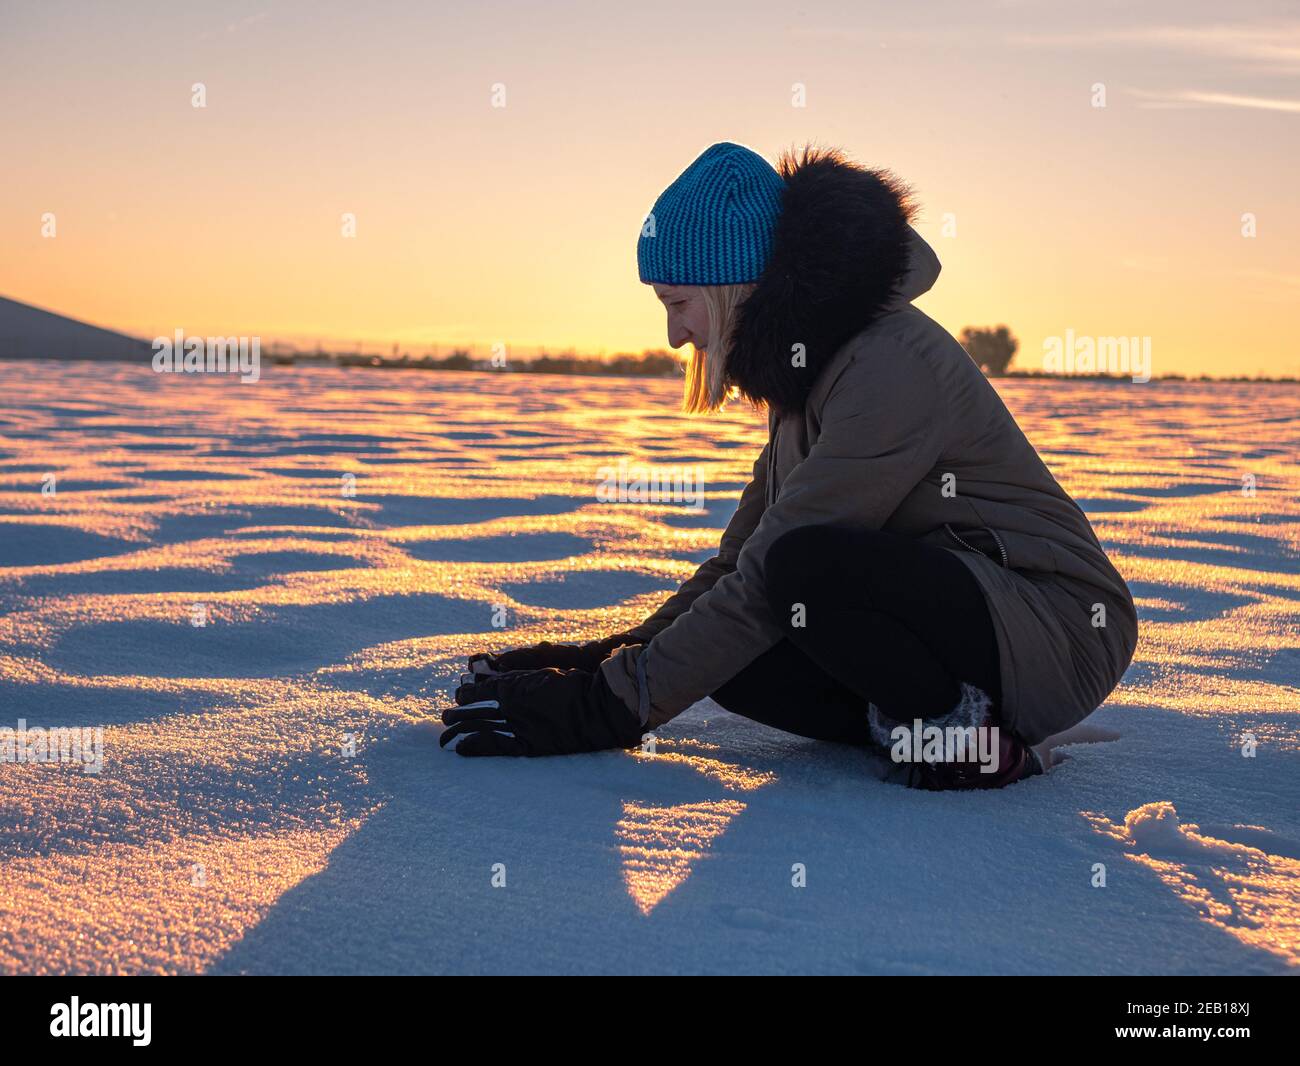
column 624, row 673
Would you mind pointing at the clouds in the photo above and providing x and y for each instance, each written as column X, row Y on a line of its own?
column 1254, row 47
column 1246, row 65
column 1184, row 98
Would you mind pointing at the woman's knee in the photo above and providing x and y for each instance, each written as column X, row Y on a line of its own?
column 800, row 566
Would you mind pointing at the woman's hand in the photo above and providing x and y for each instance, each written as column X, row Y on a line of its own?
column 539, row 712
column 586, row 657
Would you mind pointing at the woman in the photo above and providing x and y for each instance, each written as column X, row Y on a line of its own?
column 902, row 557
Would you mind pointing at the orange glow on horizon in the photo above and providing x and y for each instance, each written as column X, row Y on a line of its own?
column 479, row 225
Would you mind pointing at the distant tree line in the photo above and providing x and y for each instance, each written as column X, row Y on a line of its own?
column 991, row 348
column 657, row 364
column 646, row 365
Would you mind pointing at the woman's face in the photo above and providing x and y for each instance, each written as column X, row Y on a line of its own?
column 688, row 315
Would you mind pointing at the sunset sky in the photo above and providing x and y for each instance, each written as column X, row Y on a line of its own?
column 517, row 224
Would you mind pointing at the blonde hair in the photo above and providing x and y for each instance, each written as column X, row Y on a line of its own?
column 707, row 388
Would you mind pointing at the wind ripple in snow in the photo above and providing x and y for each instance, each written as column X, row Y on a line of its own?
column 273, row 798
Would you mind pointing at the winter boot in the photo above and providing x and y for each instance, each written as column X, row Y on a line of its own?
column 1014, row 760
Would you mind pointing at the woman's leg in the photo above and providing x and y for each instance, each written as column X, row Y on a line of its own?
column 876, row 618
column 786, row 690
column 898, row 623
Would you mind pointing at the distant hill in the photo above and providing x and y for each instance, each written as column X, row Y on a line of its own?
column 27, row 332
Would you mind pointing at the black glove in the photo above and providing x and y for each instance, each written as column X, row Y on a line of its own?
column 587, row 656
column 539, row 712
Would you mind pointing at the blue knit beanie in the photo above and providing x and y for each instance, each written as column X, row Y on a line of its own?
column 713, row 225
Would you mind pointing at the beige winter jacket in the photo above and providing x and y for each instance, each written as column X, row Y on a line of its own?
column 894, row 411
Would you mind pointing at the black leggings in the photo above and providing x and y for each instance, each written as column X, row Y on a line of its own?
column 887, row 620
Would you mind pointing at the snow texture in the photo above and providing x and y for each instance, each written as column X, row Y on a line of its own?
column 273, row 797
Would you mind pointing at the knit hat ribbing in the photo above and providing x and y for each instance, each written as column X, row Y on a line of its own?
column 713, row 225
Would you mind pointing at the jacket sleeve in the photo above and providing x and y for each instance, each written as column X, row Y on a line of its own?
column 881, row 433
column 742, row 524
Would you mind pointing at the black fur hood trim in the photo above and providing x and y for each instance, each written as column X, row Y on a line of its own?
column 839, row 253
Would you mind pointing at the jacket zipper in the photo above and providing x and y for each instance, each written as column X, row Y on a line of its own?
column 1002, row 548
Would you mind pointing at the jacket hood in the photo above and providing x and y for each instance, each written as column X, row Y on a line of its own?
column 922, row 272
column 843, row 253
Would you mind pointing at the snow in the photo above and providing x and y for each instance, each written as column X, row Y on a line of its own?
column 274, row 799
column 1154, row 828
